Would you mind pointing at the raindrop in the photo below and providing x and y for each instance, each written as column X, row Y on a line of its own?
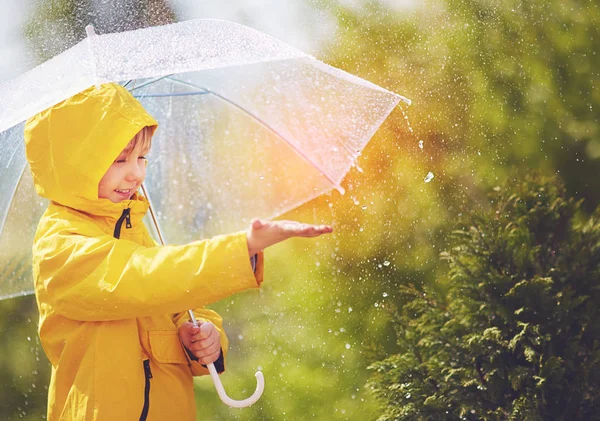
column 386, row 263
column 385, row 294
column 420, row 144
column 428, row 177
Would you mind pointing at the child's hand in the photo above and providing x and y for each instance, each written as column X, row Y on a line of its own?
column 263, row 234
column 203, row 342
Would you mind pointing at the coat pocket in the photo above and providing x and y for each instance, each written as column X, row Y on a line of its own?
column 166, row 347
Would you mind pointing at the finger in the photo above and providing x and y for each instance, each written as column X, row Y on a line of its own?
column 190, row 328
column 206, row 329
column 205, row 348
column 323, row 229
column 256, row 224
column 208, row 359
column 209, row 345
column 208, row 334
column 205, row 345
column 314, row 230
column 205, row 342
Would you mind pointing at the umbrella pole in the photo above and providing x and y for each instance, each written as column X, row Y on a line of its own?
column 260, row 380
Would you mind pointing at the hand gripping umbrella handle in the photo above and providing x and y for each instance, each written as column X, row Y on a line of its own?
column 260, row 383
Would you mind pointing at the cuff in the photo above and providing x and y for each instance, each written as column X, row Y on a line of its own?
column 219, row 363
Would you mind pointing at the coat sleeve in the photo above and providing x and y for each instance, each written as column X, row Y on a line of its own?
column 205, row 315
column 86, row 275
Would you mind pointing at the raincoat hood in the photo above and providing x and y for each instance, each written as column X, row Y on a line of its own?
column 71, row 145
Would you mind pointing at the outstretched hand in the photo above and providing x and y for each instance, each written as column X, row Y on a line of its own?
column 263, row 234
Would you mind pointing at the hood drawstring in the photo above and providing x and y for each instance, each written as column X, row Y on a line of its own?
column 125, row 216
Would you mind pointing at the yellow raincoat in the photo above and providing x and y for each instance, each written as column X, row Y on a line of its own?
column 110, row 308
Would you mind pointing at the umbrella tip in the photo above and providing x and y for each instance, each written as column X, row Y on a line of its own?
column 90, row 31
column 404, row 99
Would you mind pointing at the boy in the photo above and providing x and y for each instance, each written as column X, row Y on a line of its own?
column 112, row 304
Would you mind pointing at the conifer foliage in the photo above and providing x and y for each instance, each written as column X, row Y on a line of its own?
column 515, row 334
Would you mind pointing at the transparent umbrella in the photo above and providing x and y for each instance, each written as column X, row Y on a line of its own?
column 248, row 127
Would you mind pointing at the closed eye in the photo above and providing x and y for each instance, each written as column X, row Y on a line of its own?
column 141, row 157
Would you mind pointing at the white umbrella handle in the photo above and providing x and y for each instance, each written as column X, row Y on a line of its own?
column 260, row 383
column 260, row 387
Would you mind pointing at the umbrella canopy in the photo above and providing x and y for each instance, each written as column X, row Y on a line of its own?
column 248, row 127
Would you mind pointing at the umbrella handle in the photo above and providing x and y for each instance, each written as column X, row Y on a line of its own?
column 260, row 387
column 260, row 382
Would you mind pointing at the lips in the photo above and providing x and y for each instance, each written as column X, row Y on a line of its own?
column 124, row 193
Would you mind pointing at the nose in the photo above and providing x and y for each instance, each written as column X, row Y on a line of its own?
column 136, row 170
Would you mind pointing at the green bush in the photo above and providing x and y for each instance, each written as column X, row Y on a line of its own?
column 515, row 334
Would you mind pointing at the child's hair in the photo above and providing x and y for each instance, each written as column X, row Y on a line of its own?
column 144, row 136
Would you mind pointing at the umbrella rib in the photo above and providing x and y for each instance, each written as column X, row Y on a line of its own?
column 268, row 127
column 173, row 94
column 150, row 82
column 12, row 194
column 12, row 156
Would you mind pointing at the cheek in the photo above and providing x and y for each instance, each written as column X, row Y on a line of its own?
column 143, row 169
column 107, row 179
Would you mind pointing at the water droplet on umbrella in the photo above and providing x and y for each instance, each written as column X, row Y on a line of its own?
column 420, row 144
column 386, row 263
column 428, row 177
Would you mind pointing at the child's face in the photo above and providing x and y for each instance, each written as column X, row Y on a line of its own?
column 124, row 176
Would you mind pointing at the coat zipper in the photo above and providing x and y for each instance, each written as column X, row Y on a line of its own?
column 125, row 217
column 148, row 375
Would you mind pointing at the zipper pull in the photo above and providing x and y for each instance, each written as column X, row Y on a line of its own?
column 127, row 218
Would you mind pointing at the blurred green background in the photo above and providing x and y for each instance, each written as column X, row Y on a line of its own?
column 497, row 86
